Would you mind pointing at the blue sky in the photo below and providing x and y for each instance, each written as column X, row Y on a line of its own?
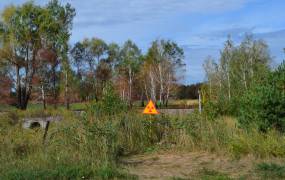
column 199, row 26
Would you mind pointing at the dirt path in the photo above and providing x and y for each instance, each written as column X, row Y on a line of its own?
column 194, row 165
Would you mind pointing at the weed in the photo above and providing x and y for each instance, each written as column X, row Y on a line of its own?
column 271, row 170
column 207, row 174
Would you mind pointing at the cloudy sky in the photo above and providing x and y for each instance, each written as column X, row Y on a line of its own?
column 199, row 26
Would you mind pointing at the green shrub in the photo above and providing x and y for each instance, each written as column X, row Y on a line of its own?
column 264, row 104
column 211, row 110
column 109, row 104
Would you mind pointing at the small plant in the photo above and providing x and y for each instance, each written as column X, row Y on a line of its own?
column 271, row 170
column 207, row 174
column 13, row 117
column 110, row 104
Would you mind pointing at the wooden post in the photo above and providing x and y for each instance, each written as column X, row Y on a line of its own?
column 200, row 105
column 45, row 134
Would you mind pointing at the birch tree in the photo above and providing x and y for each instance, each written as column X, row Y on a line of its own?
column 164, row 62
column 225, row 63
column 211, row 69
column 129, row 65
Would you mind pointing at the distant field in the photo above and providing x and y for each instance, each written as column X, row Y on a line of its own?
column 176, row 104
column 39, row 106
column 173, row 104
column 184, row 102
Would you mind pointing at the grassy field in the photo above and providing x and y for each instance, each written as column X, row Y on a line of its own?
column 94, row 146
column 187, row 103
column 175, row 104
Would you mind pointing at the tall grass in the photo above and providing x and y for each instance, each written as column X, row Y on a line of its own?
column 90, row 146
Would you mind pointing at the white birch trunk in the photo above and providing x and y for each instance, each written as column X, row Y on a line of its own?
column 229, row 84
column 161, row 84
column 43, row 96
column 130, row 86
column 152, row 88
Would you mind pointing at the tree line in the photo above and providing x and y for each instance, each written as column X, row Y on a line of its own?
column 38, row 63
column 243, row 83
column 189, row 91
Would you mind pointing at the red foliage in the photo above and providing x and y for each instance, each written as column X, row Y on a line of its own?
column 36, row 80
column 47, row 55
column 5, row 90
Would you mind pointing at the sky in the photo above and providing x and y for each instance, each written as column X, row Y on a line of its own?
column 199, row 26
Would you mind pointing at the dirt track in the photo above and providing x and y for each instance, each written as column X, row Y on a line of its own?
column 192, row 165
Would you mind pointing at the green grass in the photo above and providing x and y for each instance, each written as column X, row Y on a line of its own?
column 39, row 106
column 90, row 146
column 187, row 103
column 207, row 174
column 6, row 107
column 79, row 106
column 271, row 170
column 174, row 103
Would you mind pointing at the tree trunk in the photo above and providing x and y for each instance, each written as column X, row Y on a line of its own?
column 123, row 94
column 161, row 85
column 229, row 84
column 46, row 131
column 19, row 92
column 66, row 95
column 54, row 87
column 251, row 67
column 26, row 100
column 146, row 92
column 43, row 97
column 210, row 88
column 168, row 90
column 153, row 97
column 142, row 99
column 130, row 87
column 200, row 103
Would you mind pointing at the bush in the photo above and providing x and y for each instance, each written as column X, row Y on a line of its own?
column 211, row 110
column 110, row 104
column 264, row 104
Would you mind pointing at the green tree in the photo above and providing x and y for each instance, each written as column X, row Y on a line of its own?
column 264, row 103
column 27, row 29
column 58, row 33
column 94, row 63
column 225, row 64
column 129, row 65
column 239, row 68
column 163, row 68
column 20, row 45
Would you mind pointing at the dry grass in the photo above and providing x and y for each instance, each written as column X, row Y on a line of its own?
column 184, row 103
column 193, row 165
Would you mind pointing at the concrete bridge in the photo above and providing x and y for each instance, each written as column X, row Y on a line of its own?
column 39, row 122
